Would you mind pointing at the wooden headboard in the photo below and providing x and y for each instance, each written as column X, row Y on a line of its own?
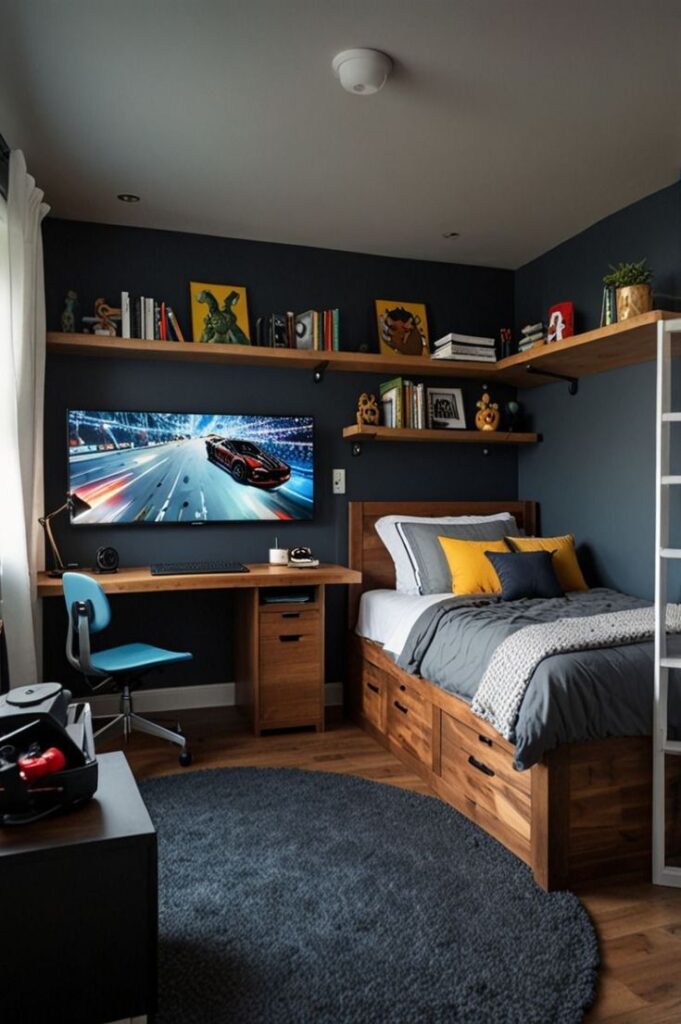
column 368, row 554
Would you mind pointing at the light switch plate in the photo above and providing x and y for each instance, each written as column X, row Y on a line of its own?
column 338, row 476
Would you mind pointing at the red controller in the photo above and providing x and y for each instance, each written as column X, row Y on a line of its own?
column 52, row 760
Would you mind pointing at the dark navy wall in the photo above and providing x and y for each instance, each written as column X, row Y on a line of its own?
column 102, row 260
column 594, row 472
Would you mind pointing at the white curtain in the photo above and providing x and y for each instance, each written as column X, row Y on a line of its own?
column 22, row 385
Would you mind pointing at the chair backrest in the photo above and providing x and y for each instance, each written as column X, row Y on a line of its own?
column 78, row 587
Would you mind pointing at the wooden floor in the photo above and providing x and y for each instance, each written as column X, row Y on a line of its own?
column 639, row 925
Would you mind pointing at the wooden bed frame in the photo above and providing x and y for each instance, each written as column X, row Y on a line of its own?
column 584, row 811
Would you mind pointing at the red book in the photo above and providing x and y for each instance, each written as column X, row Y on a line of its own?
column 328, row 330
column 164, row 323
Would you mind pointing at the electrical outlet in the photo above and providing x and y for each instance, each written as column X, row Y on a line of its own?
column 338, row 477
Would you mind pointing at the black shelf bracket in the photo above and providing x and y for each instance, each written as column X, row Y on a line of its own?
column 572, row 382
column 319, row 371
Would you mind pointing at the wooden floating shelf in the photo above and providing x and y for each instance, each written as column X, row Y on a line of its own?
column 607, row 348
column 486, row 437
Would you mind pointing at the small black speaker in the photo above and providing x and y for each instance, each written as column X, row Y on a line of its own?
column 106, row 560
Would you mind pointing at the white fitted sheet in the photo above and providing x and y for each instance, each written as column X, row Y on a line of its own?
column 386, row 616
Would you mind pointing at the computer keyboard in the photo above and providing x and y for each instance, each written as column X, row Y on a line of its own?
column 185, row 568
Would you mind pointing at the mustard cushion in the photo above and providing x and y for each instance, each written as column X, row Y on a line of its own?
column 564, row 560
column 472, row 572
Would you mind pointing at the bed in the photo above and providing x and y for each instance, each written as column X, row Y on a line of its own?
column 582, row 810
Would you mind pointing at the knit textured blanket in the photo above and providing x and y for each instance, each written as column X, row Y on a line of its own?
column 510, row 669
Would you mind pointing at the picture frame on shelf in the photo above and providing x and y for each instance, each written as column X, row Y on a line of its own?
column 219, row 314
column 446, row 410
column 402, row 328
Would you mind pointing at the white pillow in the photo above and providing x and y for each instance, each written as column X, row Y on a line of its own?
column 386, row 528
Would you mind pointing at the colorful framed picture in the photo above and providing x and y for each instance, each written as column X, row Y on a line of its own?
column 561, row 321
column 446, row 409
column 402, row 328
column 219, row 313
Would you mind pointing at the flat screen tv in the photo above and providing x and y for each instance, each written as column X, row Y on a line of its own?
column 171, row 467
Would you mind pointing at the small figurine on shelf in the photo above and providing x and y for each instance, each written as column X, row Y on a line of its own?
column 487, row 417
column 68, row 317
column 514, row 413
column 367, row 410
column 103, row 320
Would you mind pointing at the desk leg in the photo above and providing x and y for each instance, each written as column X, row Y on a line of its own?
column 321, row 597
column 246, row 655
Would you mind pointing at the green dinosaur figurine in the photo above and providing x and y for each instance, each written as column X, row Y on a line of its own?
column 219, row 325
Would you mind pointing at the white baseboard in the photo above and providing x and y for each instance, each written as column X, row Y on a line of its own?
column 184, row 698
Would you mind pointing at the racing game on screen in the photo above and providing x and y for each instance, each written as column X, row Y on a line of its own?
column 162, row 467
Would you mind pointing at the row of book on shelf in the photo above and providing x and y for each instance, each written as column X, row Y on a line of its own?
column 144, row 317
column 406, row 404
column 314, row 330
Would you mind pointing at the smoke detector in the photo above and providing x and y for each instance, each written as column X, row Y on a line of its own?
column 362, row 72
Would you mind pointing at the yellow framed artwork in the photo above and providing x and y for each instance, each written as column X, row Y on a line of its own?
column 402, row 327
column 219, row 313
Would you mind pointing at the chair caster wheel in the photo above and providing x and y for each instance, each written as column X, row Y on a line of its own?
column 185, row 758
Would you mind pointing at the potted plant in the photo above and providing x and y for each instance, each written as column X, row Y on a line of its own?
column 632, row 283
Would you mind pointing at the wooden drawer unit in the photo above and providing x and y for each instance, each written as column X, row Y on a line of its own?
column 477, row 773
column 410, row 720
column 280, row 660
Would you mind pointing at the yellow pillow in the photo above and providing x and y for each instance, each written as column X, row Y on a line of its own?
column 564, row 560
column 472, row 572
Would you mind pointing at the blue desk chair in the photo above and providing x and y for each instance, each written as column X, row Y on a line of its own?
column 89, row 612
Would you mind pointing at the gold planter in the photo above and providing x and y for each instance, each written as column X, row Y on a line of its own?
column 634, row 300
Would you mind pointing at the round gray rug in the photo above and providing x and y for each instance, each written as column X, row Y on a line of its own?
column 294, row 897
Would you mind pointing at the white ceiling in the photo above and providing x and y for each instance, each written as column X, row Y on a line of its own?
column 515, row 122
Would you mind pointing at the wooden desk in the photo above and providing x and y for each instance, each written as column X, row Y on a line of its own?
column 138, row 580
column 279, row 656
column 78, row 893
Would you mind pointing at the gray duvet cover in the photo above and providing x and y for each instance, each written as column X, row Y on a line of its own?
column 571, row 697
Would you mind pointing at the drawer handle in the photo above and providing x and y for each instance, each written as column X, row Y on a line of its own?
column 473, row 761
column 485, row 739
column 291, row 638
column 400, row 707
column 403, row 688
column 290, row 615
column 374, row 689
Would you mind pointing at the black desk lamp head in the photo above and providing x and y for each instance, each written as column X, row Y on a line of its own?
column 76, row 506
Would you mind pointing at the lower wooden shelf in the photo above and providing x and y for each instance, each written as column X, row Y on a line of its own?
column 486, row 437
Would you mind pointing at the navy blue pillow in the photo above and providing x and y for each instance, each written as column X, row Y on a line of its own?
column 525, row 574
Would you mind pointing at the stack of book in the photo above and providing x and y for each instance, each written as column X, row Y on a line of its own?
column 531, row 335
column 403, row 404
column 315, row 330
column 145, row 318
column 465, row 348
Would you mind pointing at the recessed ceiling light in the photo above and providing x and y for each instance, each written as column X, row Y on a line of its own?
column 128, row 197
column 450, row 234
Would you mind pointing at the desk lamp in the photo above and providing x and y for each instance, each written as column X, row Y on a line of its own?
column 75, row 505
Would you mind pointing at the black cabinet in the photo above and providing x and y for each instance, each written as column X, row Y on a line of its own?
column 79, row 909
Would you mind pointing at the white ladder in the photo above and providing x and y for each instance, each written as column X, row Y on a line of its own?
column 663, row 874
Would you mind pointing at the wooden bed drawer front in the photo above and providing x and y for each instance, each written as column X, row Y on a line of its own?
column 374, row 696
column 408, row 695
column 495, row 754
column 287, row 622
column 408, row 726
column 472, row 775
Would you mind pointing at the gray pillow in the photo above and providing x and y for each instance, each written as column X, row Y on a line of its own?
column 425, row 551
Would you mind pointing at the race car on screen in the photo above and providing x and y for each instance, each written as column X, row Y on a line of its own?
column 247, row 463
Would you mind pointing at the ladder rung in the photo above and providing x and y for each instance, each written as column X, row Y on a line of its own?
column 671, row 417
column 671, row 480
column 672, row 747
column 672, row 326
column 670, row 662
column 670, row 552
